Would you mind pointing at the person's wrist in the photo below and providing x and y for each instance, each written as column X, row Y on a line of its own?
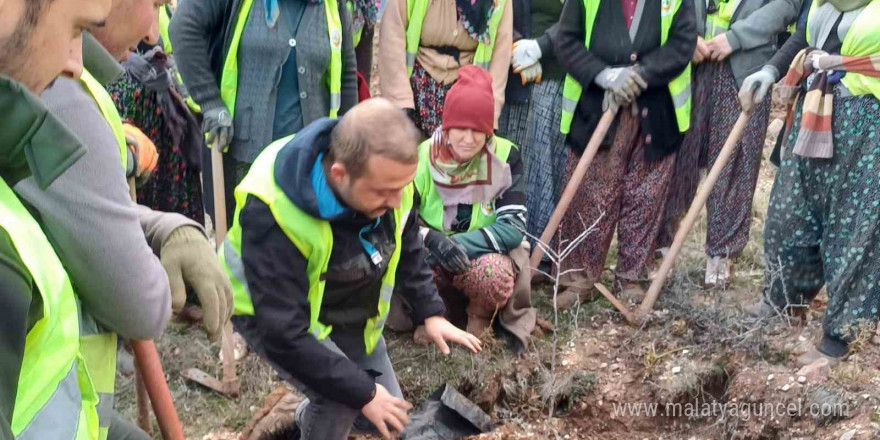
column 185, row 234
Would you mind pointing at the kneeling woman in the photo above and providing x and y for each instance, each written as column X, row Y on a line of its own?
column 471, row 195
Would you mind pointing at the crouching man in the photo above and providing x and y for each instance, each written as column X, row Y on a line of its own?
column 324, row 229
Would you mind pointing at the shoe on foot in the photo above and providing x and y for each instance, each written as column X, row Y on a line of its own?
column 659, row 255
column 719, row 272
column 760, row 309
column 814, row 355
column 632, row 292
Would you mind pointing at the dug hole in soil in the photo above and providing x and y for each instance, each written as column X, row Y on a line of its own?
column 699, row 369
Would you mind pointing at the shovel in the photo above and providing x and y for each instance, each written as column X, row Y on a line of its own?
column 229, row 385
column 571, row 188
column 688, row 223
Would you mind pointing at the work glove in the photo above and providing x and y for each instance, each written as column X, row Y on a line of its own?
column 533, row 74
column 446, row 253
column 217, row 122
column 624, row 82
column 142, row 155
column 190, row 260
column 525, row 54
column 756, row 86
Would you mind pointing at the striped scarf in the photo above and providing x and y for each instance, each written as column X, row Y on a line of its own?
column 482, row 179
column 815, row 138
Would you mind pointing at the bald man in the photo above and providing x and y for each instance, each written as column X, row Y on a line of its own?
column 324, row 229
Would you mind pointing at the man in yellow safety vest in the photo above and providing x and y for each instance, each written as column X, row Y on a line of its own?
column 130, row 295
column 45, row 391
column 325, row 228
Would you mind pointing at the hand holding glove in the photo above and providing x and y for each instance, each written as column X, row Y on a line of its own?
column 525, row 54
column 533, row 74
column 217, row 122
column 446, row 253
column 190, row 260
column 623, row 82
column 756, row 86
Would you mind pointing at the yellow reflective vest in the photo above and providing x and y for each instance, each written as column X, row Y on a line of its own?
column 314, row 239
column 229, row 76
column 55, row 398
column 108, row 111
column 416, row 12
column 99, row 345
column 719, row 22
column 430, row 202
column 679, row 88
column 862, row 39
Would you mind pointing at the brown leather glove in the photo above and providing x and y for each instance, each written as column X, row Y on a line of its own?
column 190, row 260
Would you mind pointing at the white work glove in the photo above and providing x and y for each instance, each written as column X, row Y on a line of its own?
column 756, row 86
column 532, row 73
column 525, row 54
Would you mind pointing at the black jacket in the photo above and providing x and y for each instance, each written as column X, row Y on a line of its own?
column 276, row 274
column 611, row 47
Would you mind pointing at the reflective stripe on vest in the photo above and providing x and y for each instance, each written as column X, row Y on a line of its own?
column 416, row 12
column 719, row 22
column 229, row 77
column 55, row 397
column 862, row 39
column 108, row 111
column 430, row 202
column 98, row 349
column 314, row 239
column 164, row 21
column 679, row 88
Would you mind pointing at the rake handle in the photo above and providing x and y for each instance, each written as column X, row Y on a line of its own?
column 573, row 184
column 230, row 380
column 693, row 212
column 150, row 368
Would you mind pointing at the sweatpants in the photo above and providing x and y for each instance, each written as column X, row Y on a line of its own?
column 627, row 191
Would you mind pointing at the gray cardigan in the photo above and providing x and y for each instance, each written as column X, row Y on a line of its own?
column 753, row 30
column 201, row 31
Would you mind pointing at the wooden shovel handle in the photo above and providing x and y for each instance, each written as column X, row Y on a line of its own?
column 573, row 184
column 230, row 379
column 688, row 223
